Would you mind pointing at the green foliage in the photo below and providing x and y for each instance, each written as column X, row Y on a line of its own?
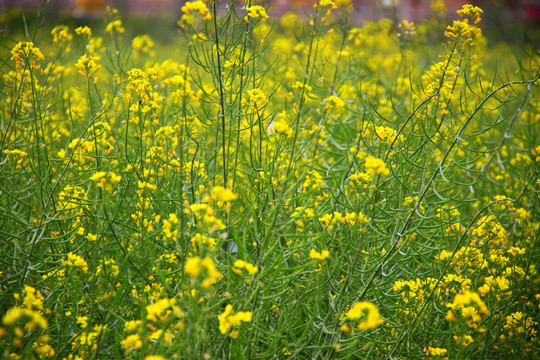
column 269, row 189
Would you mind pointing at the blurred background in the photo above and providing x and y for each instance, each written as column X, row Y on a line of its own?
column 406, row 9
column 509, row 20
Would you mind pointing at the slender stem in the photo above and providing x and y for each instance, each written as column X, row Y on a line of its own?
column 219, row 78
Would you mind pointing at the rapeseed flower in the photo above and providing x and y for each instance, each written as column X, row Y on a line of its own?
column 169, row 228
column 143, row 44
column 26, row 54
column 229, row 319
column 75, row 261
column 329, row 5
column 437, row 352
column 84, row 30
column 375, row 166
column 333, row 102
column 256, row 12
column 319, row 256
column 115, row 26
column 468, row 306
column 367, row 315
column 26, row 320
column 32, row 318
column 106, row 180
column 196, row 8
column 131, row 342
column 87, row 66
column 203, row 268
column 463, row 340
column 16, row 155
column 201, row 241
column 240, row 265
column 470, row 11
column 61, row 36
column 220, row 195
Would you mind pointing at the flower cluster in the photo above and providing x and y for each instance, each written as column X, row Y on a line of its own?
column 26, row 323
column 467, row 306
column 256, row 12
column 364, row 314
column 25, row 55
column 203, row 270
column 230, row 319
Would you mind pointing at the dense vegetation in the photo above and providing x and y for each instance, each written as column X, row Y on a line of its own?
column 269, row 189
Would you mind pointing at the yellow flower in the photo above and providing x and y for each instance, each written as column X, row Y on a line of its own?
column 143, row 44
column 536, row 153
column 205, row 216
column 256, row 11
column 33, row 318
column 346, row 328
column 169, row 230
column 406, row 30
column 76, row 262
column 360, row 178
column 326, row 3
column 197, row 8
column 221, row 196
column 115, row 26
column 32, row 298
column 459, row 28
column 280, row 125
column 132, row 342
column 387, row 134
column 464, row 340
column 470, row 11
column 25, row 53
column 256, row 98
column 162, row 309
column 435, row 351
column 87, row 65
column 320, row 256
column 241, row 264
column 197, row 267
column 110, row 265
column 463, row 28
column 16, row 155
column 83, row 30
column 313, row 181
column 375, row 166
column 61, row 35
column 106, row 180
column 192, row 266
column 300, row 86
column 329, row 4
column 333, row 102
column 204, row 240
column 144, row 185
column 229, row 318
column 367, row 314
column 469, row 306
column 45, row 349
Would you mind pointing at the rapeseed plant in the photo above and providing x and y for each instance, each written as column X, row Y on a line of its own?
column 265, row 187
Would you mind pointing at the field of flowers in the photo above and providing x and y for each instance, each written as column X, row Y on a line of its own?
column 269, row 188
